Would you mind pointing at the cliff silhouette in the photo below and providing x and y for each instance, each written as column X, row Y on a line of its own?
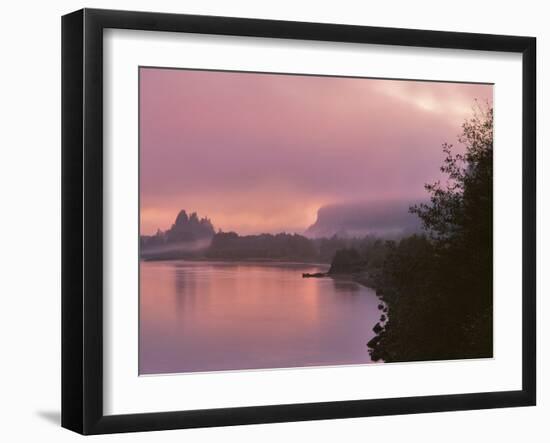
column 388, row 219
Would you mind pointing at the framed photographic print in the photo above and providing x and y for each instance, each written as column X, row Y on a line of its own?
column 269, row 221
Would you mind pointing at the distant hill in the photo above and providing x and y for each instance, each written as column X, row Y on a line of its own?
column 337, row 227
column 388, row 219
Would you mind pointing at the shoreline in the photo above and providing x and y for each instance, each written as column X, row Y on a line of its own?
column 361, row 279
column 266, row 261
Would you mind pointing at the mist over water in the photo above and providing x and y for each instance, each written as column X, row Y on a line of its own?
column 183, row 246
column 210, row 316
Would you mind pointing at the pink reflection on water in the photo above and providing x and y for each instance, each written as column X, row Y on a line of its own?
column 208, row 316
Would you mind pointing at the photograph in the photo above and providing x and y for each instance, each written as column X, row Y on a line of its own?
column 303, row 220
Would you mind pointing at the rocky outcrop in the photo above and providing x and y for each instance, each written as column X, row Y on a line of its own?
column 188, row 232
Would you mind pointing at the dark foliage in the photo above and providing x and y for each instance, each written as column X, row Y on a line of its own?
column 438, row 287
column 346, row 261
column 229, row 245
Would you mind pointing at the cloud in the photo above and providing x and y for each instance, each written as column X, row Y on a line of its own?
column 262, row 152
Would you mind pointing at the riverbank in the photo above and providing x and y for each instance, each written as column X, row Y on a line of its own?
column 288, row 260
column 363, row 278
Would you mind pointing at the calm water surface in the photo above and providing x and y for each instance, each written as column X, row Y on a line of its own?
column 208, row 316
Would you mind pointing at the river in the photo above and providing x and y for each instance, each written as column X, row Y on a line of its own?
column 200, row 316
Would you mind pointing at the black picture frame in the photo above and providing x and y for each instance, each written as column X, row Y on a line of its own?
column 82, row 219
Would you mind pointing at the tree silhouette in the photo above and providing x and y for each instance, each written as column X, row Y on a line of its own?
column 439, row 288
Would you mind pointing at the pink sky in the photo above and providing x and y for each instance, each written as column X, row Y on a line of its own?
column 262, row 152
